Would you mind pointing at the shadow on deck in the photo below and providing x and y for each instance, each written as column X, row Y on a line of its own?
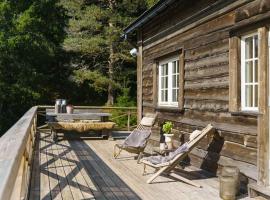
column 70, row 169
column 85, row 169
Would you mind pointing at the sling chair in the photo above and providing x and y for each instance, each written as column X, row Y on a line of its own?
column 168, row 163
column 138, row 138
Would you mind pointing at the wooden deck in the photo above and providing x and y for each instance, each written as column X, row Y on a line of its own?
column 85, row 169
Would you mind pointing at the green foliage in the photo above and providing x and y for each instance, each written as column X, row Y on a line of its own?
column 31, row 34
column 150, row 3
column 167, row 127
column 124, row 100
column 95, row 43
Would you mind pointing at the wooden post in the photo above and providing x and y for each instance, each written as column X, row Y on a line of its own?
column 155, row 84
column 263, row 119
column 128, row 121
column 181, row 66
column 234, row 74
column 139, row 76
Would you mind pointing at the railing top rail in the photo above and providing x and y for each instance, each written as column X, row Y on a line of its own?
column 92, row 107
column 12, row 146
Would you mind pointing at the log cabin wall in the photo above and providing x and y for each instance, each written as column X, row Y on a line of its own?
column 205, row 41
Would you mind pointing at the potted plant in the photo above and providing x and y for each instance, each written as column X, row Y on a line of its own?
column 167, row 128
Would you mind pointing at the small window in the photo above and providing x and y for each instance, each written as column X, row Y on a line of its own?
column 249, row 72
column 169, row 82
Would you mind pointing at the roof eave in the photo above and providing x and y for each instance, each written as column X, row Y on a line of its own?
column 147, row 15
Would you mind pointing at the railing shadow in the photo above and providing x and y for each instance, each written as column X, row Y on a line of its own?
column 76, row 156
column 100, row 173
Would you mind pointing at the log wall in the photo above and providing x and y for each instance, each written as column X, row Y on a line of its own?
column 206, row 83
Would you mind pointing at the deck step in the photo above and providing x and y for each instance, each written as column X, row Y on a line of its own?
column 258, row 191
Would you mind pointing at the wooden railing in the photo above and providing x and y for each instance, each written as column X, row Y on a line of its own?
column 124, row 117
column 17, row 146
column 16, row 150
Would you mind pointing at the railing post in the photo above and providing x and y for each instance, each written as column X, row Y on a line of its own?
column 128, row 121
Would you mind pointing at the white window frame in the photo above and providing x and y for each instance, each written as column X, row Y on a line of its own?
column 243, row 73
column 168, row 103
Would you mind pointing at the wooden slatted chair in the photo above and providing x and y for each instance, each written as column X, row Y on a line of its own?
column 143, row 128
column 168, row 166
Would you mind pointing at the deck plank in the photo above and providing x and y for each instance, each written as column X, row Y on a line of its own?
column 85, row 174
column 53, row 176
column 93, row 172
column 45, row 193
column 85, row 169
column 118, row 188
column 79, row 181
column 68, row 172
column 63, row 183
column 35, row 175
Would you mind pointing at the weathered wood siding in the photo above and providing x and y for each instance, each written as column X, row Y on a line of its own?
column 206, row 84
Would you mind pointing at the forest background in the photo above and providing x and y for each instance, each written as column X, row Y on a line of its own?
column 69, row 49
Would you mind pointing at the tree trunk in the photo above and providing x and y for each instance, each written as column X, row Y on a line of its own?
column 110, row 100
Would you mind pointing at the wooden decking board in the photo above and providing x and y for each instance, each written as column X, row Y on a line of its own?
column 81, row 183
column 95, row 190
column 85, row 169
column 133, row 175
column 63, row 183
column 92, row 169
column 53, row 177
column 117, row 186
column 69, row 172
column 35, row 175
column 44, row 175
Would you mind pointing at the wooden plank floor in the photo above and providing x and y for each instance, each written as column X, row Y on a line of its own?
column 85, row 169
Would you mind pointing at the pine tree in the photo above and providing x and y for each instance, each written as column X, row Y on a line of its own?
column 94, row 38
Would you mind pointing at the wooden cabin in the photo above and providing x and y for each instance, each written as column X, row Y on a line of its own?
column 207, row 61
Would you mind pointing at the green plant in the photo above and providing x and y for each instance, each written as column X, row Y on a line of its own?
column 167, row 127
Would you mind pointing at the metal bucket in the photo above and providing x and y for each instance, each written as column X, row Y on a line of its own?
column 57, row 107
column 229, row 182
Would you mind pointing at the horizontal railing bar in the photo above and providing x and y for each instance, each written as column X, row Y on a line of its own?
column 92, row 107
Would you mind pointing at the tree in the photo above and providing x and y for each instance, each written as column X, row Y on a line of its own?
column 31, row 35
column 94, row 39
column 150, row 3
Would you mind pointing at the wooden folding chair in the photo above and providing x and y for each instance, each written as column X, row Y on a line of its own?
column 167, row 167
column 146, row 124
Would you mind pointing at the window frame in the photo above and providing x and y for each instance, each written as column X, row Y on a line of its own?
column 170, row 75
column 243, row 72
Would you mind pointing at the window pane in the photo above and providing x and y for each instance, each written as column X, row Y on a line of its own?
column 249, row 47
column 175, row 95
column 249, row 72
column 256, row 46
column 165, row 95
column 177, row 81
column 256, row 95
column 174, row 81
column 175, row 65
column 256, row 71
column 164, row 70
column 249, row 96
column 166, row 82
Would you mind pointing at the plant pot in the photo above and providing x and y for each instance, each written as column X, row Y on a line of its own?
column 69, row 109
column 168, row 140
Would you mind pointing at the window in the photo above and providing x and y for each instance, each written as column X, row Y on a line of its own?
column 249, row 72
column 169, row 82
